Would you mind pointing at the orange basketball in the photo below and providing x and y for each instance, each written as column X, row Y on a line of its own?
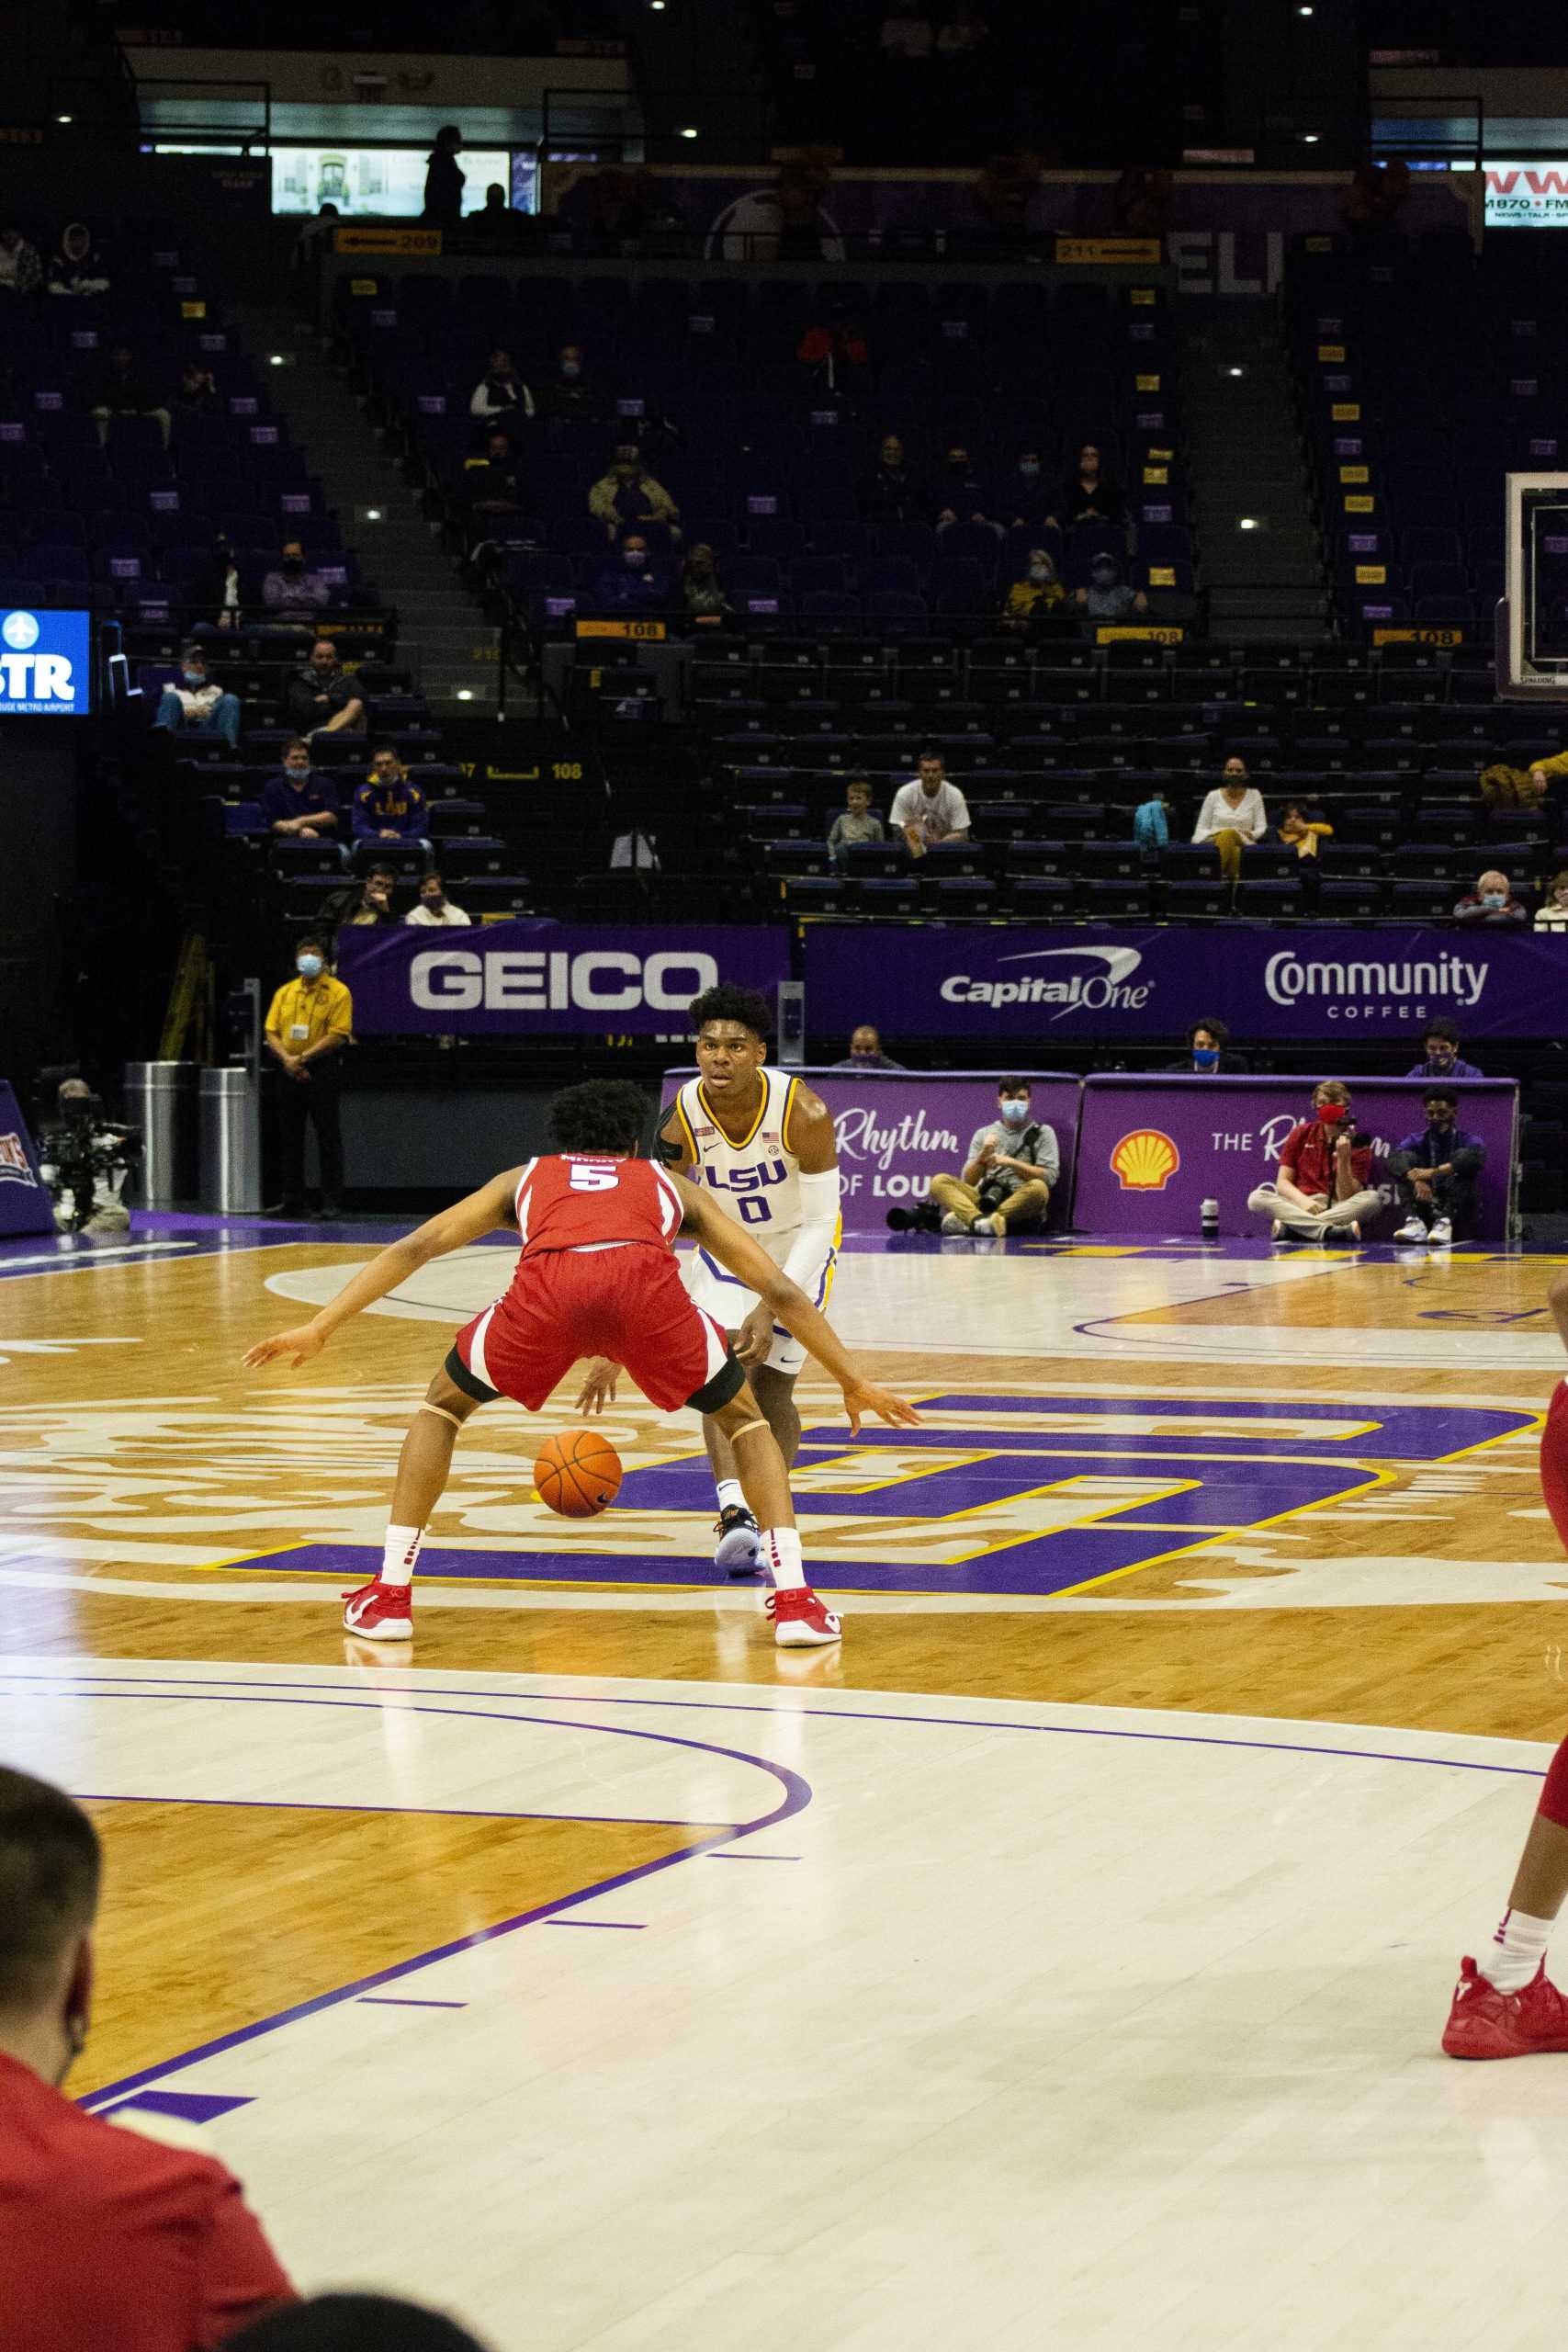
column 578, row 1474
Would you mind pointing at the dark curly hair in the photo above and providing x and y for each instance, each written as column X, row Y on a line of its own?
column 748, row 1006
column 607, row 1114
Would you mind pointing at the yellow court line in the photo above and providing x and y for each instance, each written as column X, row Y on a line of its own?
column 1183, row 1550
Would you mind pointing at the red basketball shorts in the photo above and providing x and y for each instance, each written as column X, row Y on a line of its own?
column 1554, row 1462
column 627, row 1302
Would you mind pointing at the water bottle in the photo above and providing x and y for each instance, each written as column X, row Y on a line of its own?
column 1210, row 1214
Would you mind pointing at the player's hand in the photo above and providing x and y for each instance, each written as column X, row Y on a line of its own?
column 755, row 1336
column 598, row 1385
column 861, row 1398
column 298, row 1345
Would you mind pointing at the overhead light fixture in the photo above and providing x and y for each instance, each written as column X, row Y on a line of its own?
column 1309, row 139
column 689, row 131
column 373, row 513
column 275, row 360
column 465, row 694
column 1235, row 371
column 1305, row 9
column 65, row 117
column 1246, row 522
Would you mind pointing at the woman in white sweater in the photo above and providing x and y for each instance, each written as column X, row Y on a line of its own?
column 1232, row 818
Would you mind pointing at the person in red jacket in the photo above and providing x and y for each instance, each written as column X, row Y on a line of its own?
column 108, row 2239
column 1326, row 1182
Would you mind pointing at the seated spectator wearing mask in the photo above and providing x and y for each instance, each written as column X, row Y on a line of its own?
column 297, row 805
column 1108, row 597
column 961, row 493
column 1552, row 913
column 110, row 2241
column 1006, row 1180
column 1491, row 901
column 387, row 808
column 77, row 270
column 571, row 389
column 1441, row 1056
column 1232, row 818
column 310, row 1024
column 434, row 909
column 1438, row 1173
column 628, row 493
column 323, row 699
column 294, row 597
column 1034, row 598
column 1087, row 496
column 501, row 390
column 197, row 704
column 1209, row 1052
column 1024, row 498
column 865, row 1051
column 632, row 583
column 1323, row 1185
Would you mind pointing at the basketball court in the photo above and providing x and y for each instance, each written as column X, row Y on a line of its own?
column 1070, row 1952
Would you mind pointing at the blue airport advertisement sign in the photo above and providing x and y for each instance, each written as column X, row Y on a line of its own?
column 46, row 663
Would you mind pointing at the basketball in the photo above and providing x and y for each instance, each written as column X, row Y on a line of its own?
column 578, row 1474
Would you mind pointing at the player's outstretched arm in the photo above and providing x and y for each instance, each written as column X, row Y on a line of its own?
column 735, row 1250
column 466, row 1221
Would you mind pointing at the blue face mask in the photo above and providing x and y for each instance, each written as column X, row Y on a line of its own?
column 1014, row 1114
column 308, row 966
column 1495, row 898
column 1205, row 1057
column 1029, row 467
column 195, row 677
column 636, row 557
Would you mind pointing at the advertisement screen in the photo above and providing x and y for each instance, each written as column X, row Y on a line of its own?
column 46, row 665
column 366, row 180
column 1527, row 196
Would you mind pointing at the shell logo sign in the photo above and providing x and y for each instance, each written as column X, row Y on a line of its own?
column 1145, row 1161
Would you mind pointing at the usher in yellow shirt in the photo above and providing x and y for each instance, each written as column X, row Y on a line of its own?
column 304, row 1012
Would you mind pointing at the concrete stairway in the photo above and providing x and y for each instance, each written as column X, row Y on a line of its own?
column 443, row 637
column 1251, row 503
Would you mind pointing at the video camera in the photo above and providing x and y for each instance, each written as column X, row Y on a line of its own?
column 80, row 1151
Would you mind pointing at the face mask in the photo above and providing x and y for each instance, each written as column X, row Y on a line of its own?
column 434, row 901
column 1440, row 1053
column 1039, row 571
column 293, row 563
column 636, row 557
column 1029, row 467
column 570, row 369
column 196, row 677
column 297, row 775
column 1014, row 1114
column 1205, row 1057
column 1102, row 576
column 1331, row 1114
column 893, row 458
column 308, row 966
column 1495, row 898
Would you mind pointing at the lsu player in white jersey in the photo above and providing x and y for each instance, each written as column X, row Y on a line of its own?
column 762, row 1145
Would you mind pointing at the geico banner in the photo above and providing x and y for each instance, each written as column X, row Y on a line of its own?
column 898, row 1129
column 505, row 979
column 1019, row 986
column 46, row 666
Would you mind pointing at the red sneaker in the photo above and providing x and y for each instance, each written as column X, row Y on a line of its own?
column 800, row 1620
column 1484, row 2023
column 379, row 1613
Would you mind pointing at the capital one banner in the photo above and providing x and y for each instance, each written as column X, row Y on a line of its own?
column 898, row 1130
column 1001, row 985
column 543, row 978
column 1153, row 1149
column 24, row 1206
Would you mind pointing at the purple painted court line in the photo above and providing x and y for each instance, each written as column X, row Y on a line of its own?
column 625, row 1927
column 190, row 2107
column 404, row 2001
column 753, row 1858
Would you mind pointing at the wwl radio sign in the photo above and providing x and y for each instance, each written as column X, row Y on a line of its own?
column 46, row 666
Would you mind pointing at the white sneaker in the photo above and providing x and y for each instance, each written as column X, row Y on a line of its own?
column 1443, row 1233
column 953, row 1223
column 1411, row 1230
column 985, row 1225
column 740, row 1545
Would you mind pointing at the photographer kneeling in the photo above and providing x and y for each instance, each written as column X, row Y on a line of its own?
column 85, row 1158
column 1006, row 1180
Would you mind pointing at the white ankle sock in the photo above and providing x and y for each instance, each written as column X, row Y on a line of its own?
column 731, row 1496
column 781, row 1551
column 1517, row 1950
column 400, row 1555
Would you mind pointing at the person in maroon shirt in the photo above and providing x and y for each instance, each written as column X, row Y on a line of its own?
column 1324, row 1187
column 109, row 2241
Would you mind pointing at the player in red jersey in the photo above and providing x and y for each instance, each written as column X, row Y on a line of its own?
column 597, row 1277
column 1506, row 2005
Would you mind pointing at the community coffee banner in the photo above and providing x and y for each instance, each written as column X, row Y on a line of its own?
column 994, row 984
column 549, row 979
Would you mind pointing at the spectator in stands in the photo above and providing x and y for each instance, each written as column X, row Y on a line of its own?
column 120, row 389
column 1437, row 1172
column 389, row 807
column 1303, row 827
column 494, row 484
column 218, row 594
column 1151, row 824
column 857, row 821
column 1108, row 597
column 892, row 494
column 501, row 390
column 297, row 805
column 1441, row 1054
column 632, row 583
column 1552, row 913
column 628, row 493
column 1232, row 818
column 495, row 223
column 109, row 2238
column 434, row 909
column 323, row 699
column 1208, row 1051
column 354, row 2322
column 1527, row 788
column 1006, row 1180
column 1088, row 495
column 367, row 908
column 701, row 590
column 295, row 598
column 309, row 1024
column 865, row 1051
column 76, row 268
column 1491, row 901
column 197, row 705
column 444, row 181
column 1025, row 497
column 835, row 350
column 196, row 393
column 961, row 496
column 1034, row 596
column 1324, row 1184
column 21, row 269
column 572, row 390
column 929, row 811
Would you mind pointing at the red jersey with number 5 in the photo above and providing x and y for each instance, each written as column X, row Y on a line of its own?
column 587, row 1200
